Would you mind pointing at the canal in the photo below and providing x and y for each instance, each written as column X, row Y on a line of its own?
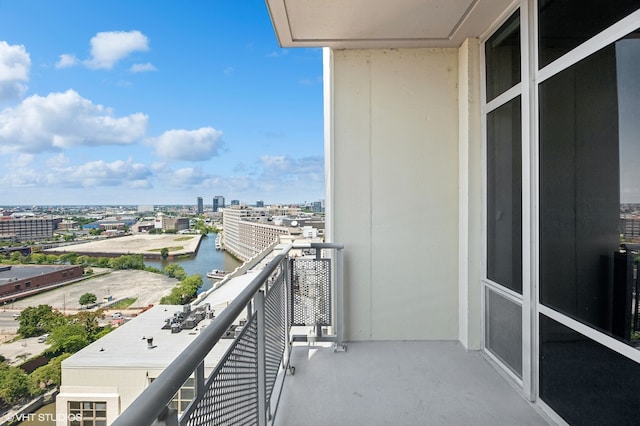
column 208, row 258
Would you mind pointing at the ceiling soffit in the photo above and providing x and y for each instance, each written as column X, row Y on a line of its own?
column 381, row 24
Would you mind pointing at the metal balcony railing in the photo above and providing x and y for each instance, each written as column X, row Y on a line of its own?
column 244, row 387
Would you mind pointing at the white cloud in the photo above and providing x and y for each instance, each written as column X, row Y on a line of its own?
column 277, row 53
column 22, row 160
column 187, row 177
column 107, row 48
column 57, row 161
column 125, row 173
column 66, row 61
column 15, row 64
column 136, row 68
column 64, row 120
column 282, row 169
column 188, row 145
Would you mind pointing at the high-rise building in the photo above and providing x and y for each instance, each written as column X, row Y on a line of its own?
column 235, row 202
column 218, row 203
column 200, row 206
column 27, row 228
column 259, row 203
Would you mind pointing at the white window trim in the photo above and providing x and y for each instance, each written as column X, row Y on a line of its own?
column 586, row 49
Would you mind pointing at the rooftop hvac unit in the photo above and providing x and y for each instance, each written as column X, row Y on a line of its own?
column 186, row 308
column 175, row 328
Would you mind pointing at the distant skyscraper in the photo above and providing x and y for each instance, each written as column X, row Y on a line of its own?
column 259, row 203
column 218, row 203
column 235, row 202
column 200, row 206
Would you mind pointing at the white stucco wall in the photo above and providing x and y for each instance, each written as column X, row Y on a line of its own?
column 470, row 195
column 118, row 387
column 392, row 138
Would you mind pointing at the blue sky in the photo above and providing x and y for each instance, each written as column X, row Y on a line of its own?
column 155, row 102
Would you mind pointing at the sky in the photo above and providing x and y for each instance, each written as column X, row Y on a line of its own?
column 155, row 102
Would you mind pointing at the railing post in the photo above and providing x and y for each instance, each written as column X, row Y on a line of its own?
column 286, row 286
column 199, row 373
column 339, row 301
column 262, row 363
column 168, row 417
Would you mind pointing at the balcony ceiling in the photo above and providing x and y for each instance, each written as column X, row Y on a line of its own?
column 347, row 24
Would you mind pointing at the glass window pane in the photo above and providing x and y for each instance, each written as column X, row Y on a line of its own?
column 585, row 382
column 187, row 393
column 101, row 405
column 503, row 329
column 504, row 196
column 74, row 405
column 502, row 57
column 565, row 24
column 589, row 185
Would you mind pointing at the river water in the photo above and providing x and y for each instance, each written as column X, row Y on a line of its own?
column 208, row 258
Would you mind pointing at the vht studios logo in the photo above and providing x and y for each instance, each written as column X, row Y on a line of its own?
column 45, row 417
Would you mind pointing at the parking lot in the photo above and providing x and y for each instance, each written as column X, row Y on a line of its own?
column 146, row 287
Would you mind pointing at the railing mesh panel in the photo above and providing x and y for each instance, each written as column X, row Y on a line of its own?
column 274, row 331
column 231, row 397
column 311, row 291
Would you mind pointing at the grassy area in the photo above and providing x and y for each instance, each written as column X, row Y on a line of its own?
column 124, row 303
column 175, row 248
column 183, row 239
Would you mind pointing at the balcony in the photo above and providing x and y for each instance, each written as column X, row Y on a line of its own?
column 288, row 365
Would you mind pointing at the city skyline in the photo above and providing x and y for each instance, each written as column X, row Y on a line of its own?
column 108, row 103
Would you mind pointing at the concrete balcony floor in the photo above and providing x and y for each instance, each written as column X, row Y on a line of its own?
column 399, row 383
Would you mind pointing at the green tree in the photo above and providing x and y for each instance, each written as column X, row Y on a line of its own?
column 164, row 252
column 90, row 322
column 174, row 270
column 87, row 299
column 69, row 258
column 103, row 262
column 184, row 292
column 69, row 338
column 38, row 258
column 49, row 374
column 14, row 384
column 37, row 320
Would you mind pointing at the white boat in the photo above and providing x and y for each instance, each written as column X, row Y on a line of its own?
column 216, row 274
column 219, row 242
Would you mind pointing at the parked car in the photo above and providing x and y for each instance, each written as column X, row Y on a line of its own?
column 43, row 338
column 117, row 315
